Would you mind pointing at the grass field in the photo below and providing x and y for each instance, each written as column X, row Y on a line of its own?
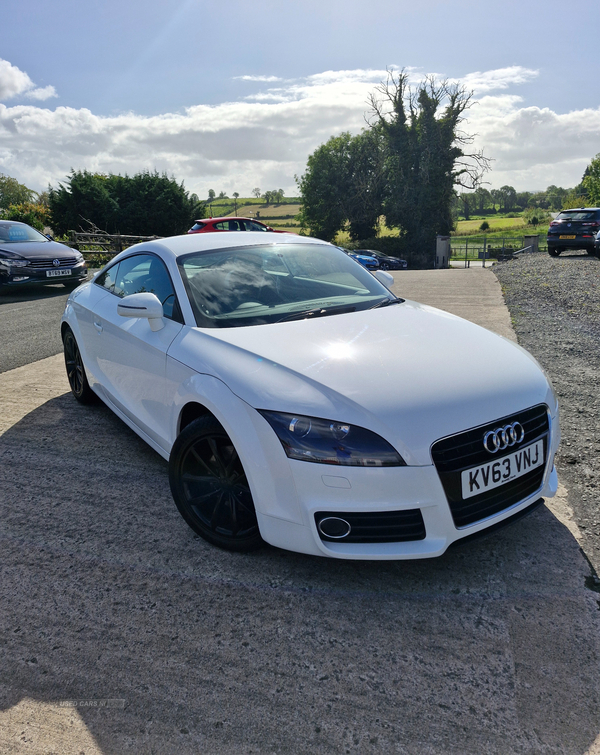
column 268, row 211
column 464, row 227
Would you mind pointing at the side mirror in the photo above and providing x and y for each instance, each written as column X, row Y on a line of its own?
column 144, row 305
column 384, row 277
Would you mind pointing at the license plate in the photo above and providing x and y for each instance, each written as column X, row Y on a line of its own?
column 567, row 237
column 57, row 273
column 479, row 480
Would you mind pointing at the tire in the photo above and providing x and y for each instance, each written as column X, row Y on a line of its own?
column 78, row 381
column 553, row 252
column 384, row 266
column 210, row 488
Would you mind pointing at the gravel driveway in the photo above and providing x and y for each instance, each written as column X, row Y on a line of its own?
column 555, row 308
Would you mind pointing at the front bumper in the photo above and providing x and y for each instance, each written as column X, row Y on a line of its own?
column 18, row 277
column 293, row 492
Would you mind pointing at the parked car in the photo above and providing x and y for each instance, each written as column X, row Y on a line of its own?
column 245, row 362
column 208, row 225
column 597, row 245
column 28, row 257
column 365, row 259
column 574, row 229
column 385, row 261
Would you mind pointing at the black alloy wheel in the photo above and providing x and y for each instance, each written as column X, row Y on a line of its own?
column 78, row 381
column 210, row 488
column 553, row 252
column 384, row 266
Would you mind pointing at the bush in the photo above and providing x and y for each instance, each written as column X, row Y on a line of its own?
column 485, row 226
column 38, row 216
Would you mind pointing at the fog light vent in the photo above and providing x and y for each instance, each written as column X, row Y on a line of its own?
column 334, row 527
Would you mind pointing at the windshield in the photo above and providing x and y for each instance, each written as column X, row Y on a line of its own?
column 580, row 215
column 266, row 284
column 13, row 233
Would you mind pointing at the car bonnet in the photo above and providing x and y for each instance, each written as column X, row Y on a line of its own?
column 409, row 372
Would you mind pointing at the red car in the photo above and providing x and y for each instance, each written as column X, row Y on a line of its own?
column 230, row 224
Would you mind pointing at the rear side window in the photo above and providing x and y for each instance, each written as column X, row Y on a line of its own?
column 229, row 225
column 198, row 226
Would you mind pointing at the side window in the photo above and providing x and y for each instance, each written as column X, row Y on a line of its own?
column 147, row 273
column 252, row 226
column 108, row 277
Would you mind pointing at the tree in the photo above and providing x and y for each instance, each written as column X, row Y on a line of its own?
column 426, row 155
column 466, row 201
column 235, row 195
column 496, row 196
column 508, row 197
column 145, row 204
column 591, row 182
column 223, row 195
column 343, row 183
column 12, row 192
column 211, row 194
column 482, row 198
column 256, row 192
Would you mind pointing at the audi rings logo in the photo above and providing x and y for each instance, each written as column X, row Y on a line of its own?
column 503, row 437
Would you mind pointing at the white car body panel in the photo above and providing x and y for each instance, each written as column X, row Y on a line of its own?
column 408, row 372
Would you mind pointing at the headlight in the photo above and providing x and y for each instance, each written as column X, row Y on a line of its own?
column 12, row 261
column 329, row 442
column 79, row 256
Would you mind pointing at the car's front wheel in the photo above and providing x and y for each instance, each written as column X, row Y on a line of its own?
column 78, row 381
column 210, row 488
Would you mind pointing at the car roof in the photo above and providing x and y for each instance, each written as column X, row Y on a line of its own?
column 204, row 242
column 579, row 209
column 225, row 217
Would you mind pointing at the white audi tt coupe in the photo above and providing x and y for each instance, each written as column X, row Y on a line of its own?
column 299, row 402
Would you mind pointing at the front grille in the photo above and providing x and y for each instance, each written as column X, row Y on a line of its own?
column 456, row 453
column 377, row 526
column 41, row 263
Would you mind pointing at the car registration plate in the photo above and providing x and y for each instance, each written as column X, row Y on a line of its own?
column 486, row 477
column 567, row 237
column 57, row 273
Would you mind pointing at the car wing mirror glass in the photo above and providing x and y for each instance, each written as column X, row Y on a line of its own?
column 144, row 305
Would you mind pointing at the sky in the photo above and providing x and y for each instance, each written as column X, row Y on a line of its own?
column 234, row 95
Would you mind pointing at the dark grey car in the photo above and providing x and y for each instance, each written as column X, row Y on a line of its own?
column 28, row 257
column 574, row 229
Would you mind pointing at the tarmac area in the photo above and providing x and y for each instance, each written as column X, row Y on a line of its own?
column 123, row 632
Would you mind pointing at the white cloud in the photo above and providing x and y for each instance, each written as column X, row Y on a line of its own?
column 263, row 142
column 501, row 78
column 15, row 82
column 258, row 78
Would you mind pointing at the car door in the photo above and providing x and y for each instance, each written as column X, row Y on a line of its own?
column 130, row 357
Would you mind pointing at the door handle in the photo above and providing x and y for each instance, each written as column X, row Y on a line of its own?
column 98, row 326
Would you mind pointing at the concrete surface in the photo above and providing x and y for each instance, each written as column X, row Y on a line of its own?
column 106, row 595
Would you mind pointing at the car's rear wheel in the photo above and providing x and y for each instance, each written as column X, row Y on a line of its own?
column 553, row 252
column 78, row 381
column 210, row 488
column 384, row 266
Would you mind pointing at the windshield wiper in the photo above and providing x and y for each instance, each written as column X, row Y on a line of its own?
column 386, row 303
column 308, row 314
